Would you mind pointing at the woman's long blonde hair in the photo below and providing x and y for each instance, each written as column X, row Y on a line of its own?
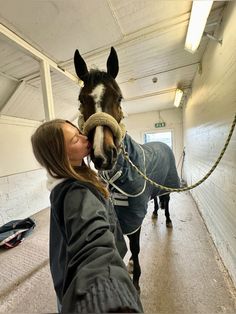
column 49, row 149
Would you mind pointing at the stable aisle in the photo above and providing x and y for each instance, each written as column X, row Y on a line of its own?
column 181, row 270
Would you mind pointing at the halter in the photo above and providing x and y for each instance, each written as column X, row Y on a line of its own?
column 100, row 119
column 118, row 130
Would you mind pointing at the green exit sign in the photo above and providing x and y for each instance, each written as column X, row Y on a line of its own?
column 160, row 124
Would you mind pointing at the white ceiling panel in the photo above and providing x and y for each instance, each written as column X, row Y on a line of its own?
column 151, row 103
column 141, row 87
column 134, row 15
column 15, row 62
column 28, row 105
column 7, row 87
column 58, row 27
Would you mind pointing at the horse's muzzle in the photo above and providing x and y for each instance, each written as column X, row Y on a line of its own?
column 106, row 161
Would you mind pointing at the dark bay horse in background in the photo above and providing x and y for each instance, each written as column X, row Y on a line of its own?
column 130, row 191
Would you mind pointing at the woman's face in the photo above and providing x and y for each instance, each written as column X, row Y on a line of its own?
column 77, row 145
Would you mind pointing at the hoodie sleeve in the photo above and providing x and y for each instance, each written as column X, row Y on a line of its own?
column 96, row 279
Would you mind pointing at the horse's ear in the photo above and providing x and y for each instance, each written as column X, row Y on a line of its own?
column 112, row 63
column 80, row 65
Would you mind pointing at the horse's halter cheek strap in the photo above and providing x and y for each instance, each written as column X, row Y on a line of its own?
column 100, row 119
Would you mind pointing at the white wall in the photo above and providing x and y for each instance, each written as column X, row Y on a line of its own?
column 207, row 118
column 138, row 124
column 22, row 195
column 22, row 181
column 16, row 153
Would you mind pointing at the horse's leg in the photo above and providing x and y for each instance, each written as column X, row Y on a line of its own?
column 134, row 242
column 156, row 207
column 164, row 199
column 130, row 266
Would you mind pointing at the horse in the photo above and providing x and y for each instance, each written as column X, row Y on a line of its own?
column 101, row 120
column 163, row 204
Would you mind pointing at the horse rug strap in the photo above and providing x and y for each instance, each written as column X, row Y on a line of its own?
column 113, row 178
column 119, row 199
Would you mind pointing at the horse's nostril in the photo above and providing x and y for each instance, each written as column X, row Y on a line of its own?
column 111, row 155
column 98, row 162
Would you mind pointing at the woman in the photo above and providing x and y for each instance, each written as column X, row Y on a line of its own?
column 86, row 245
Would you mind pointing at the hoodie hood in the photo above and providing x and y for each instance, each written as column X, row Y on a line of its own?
column 53, row 182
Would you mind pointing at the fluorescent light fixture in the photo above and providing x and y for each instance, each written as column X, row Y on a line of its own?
column 199, row 14
column 178, row 97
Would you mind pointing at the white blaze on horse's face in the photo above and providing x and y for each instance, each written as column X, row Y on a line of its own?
column 97, row 95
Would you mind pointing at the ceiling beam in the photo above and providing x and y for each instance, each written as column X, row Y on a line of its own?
column 47, row 90
column 35, row 53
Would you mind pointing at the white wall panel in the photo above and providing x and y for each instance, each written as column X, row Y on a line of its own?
column 22, row 195
column 16, row 152
column 22, row 181
column 207, row 119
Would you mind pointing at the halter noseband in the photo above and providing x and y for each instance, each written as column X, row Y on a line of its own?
column 100, row 119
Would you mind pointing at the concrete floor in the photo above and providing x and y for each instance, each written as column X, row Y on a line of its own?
column 181, row 270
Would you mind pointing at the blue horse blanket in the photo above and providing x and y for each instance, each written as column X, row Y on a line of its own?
column 156, row 159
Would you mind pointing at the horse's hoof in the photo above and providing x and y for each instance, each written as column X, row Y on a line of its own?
column 138, row 289
column 154, row 216
column 169, row 224
column 130, row 267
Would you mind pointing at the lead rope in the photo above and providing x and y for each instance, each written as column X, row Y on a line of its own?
column 187, row 188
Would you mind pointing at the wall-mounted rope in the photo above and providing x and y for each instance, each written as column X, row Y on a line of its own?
column 187, row 188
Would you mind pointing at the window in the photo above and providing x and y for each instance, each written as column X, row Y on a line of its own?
column 165, row 137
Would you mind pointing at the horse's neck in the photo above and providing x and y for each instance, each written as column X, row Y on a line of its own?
column 132, row 147
column 135, row 153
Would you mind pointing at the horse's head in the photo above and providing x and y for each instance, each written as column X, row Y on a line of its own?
column 100, row 109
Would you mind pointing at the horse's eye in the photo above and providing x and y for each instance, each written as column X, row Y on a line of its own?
column 119, row 99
